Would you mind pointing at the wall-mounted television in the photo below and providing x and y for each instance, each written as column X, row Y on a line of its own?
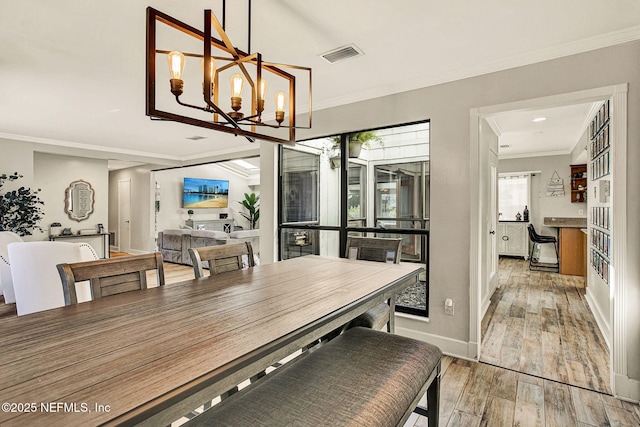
column 205, row 193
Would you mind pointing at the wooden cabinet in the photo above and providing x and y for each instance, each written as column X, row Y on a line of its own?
column 579, row 183
column 573, row 251
column 513, row 238
column 225, row 225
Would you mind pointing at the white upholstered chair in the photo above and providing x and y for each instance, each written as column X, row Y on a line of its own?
column 36, row 281
column 6, row 283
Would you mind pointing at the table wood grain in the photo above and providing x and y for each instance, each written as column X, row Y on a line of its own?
column 153, row 355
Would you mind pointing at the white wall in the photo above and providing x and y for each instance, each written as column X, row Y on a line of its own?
column 172, row 215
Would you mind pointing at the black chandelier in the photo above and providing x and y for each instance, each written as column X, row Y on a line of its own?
column 219, row 57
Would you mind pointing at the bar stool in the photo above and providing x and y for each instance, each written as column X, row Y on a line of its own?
column 538, row 240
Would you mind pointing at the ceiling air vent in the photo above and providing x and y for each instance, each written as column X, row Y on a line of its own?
column 342, row 53
column 196, row 138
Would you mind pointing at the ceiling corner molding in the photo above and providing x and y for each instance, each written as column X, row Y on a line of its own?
column 130, row 154
column 494, row 125
column 536, row 154
column 587, row 120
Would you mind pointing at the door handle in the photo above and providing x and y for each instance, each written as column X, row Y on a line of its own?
column 492, row 232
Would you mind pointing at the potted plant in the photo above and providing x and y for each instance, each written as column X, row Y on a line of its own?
column 20, row 210
column 357, row 140
column 250, row 203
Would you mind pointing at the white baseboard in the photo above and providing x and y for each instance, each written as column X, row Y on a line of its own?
column 449, row 346
column 601, row 321
column 626, row 388
column 137, row 252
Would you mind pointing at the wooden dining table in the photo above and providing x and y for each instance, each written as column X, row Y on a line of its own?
column 148, row 357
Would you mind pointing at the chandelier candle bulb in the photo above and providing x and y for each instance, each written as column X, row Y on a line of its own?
column 212, row 73
column 236, row 96
column 263, row 91
column 280, row 101
column 176, row 68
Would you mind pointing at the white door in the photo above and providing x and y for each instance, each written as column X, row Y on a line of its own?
column 488, row 261
column 124, row 215
column 492, row 242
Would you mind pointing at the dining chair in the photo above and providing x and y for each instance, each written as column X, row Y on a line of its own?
column 6, row 283
column 374, row 249
column 35, row 279
column 110, row 276
column 222, row 258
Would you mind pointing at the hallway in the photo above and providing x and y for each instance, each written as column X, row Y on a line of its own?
column 540, row 324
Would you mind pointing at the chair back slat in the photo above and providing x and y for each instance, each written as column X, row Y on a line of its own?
column 110, row 276
column 221, row 258
column 374, row 249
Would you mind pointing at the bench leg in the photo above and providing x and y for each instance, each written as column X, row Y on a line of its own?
column 433, row 402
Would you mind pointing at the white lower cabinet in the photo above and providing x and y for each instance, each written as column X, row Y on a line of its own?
column 513, row 239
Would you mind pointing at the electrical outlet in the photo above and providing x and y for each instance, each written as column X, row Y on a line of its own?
column 448, row 306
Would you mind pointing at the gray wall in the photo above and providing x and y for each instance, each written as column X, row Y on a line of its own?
column 53, row 173
column 448, row 107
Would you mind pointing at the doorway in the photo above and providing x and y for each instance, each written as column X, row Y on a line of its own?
column 480, row 231
column 124, row 215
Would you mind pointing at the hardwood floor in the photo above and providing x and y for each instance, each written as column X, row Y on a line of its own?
column 539, row 323
column 477, row 394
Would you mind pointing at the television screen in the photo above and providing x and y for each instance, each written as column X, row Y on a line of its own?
column 205, row 193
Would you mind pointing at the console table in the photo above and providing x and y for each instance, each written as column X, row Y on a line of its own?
column 87, row 238
column 225, row 225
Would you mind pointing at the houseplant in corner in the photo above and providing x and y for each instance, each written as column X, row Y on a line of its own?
column 250, row 203
column 357, row 140
column 20, row 210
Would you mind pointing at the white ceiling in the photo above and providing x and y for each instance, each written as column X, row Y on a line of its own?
column 542, row 132
column 73, row 70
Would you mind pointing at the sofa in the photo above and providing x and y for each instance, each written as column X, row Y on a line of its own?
column 174, row 244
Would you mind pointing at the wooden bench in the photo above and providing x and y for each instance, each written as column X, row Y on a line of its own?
column 363, row 377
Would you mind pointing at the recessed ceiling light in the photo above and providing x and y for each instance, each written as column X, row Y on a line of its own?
column 244, row 164
column 539, row 119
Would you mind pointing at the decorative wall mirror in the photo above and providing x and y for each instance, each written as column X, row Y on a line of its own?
column 78, row 200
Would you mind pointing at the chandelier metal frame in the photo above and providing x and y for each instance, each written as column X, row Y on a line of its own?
column 239, row 124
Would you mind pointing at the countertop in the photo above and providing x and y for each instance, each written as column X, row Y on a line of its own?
column 565, row 222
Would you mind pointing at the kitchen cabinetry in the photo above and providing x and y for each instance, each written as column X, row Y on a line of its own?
column 513, row 238
column 573, row 251
column 578, row 183
column 225, row 225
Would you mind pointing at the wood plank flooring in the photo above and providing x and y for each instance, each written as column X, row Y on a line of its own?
column 477, row 394
column 539, row 324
